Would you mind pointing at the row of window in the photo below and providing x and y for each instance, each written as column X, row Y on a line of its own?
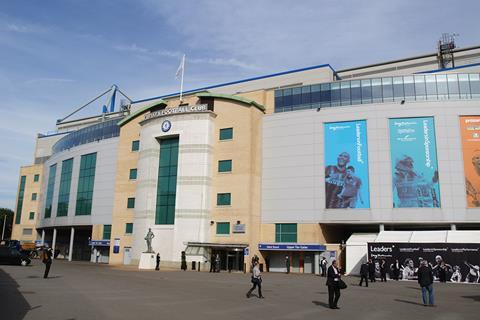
column 377, row 90
column 284, row 232
column 107, row 230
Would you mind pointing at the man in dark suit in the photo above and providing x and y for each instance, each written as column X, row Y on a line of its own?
column 364, row 274
column 333, row 278
column 371, row 270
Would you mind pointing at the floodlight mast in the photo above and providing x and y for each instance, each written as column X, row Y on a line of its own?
column 446, row 45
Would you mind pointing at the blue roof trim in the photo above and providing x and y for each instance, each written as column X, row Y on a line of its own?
column 240, row 81
column 447, row 69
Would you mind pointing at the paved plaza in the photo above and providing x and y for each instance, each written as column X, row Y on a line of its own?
column 81, row 290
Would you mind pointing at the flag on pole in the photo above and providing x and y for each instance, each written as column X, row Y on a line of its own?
column 181, row 68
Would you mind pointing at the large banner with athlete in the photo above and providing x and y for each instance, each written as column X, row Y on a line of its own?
column 470, row 128
column 414, row 163
column 346, row 165
column 455, row 262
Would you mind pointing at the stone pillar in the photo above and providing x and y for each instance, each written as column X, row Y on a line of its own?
column 53, row 242
column 316, row 262
column 70, row 248
column 382, row 227
column 453, row 227
column 43, row 237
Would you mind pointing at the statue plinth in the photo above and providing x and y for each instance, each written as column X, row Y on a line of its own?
column 147, row 261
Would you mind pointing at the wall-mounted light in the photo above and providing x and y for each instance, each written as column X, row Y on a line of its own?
column 212, row 222
column 319, row 108
column 402, row 102
column 238, row 221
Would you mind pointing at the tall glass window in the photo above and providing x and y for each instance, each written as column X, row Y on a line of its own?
column 64, row 191
column 398, row 92
column 36, row 178
column 464, row 86
column 306, row 99
column 366, row 91
column 21, row 193
column 296, row 96
column 325, row 95
column 287, row 100
column 167, row 181
column 286, row 232
column 442, row 86
column 387, row 89
column 420, row 91
column 431, row 86
column 86, row 182
column 356, row 92
column 345, row 93
column 107, row 231
column 453, row 92
column 135, row 145
column 409, row 88
column 50, row 187
column 475, row 85
column 278, row 100
column 315, row 94
column 377, row 90
column 335, row 94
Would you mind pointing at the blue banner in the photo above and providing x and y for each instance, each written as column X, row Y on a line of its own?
column 291, row 247
column 414, row 163
column 346, row 165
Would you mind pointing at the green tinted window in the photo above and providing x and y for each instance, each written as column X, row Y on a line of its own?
column 129, row 228
column 34, row 196
column 50, row 187
column 226, row 134
column 21, row 193
column 32, row 216
column 136, row 145
column 223, row 227
column 224, row 199
column 167, row 181
column 36, row 178
column 64, row 190
column 86, row 182
column 133, row 174
column 131, row 203
column 107, row 231
column 225, row 166
column 286, row 232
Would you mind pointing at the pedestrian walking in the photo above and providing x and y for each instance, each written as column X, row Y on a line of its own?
column 287, row 263
column 364, row 274
column 395, row 267
column 217, row 263
column 425, row 279
column 157, row 267
column 47, row 260
column 212, row 263
column 371, row 270
column 333, row 283
column 323, row 265
column 256, row 281
column 383, row 271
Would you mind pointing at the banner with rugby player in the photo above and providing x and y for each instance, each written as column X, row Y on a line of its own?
column 346, row 165
column 470, row 128
column 414, row 163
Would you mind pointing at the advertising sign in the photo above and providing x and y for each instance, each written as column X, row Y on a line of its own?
column 346, row 165
column 455, row 262
column 470, row 128
column 414, row 163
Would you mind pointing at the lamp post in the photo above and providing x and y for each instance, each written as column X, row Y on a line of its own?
column 4, row 223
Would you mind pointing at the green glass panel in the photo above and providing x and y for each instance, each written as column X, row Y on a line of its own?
column 226, row 134
column 36, row 178
column 107, row 231
column 50, row 187
column 225, row 166
column 129, row 228
column 223, row 227
column 131, row 203
column 32, row 216
column 86, row 182
column 64, row 190
column 223, row 199
column 167, row 181
column 133, row 174
column 135, row 145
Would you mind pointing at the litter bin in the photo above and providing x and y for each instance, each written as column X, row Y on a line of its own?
column 194, row 266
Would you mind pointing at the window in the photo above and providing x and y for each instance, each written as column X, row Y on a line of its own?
column 107, row 231
column 224, row 199
column 64, row 191
column 27, row 232
column 21, row 192
column 136, row 145
column 31, row 216
column 286, row 232
column 167, row 181
column 223, row 227
column 226, row 134
column 131, row 203
column 86, row 182
column 34, row 196
column 128, row 228
column 225, row 166
column 36, row 178
column 50, row 187
column 133, row 174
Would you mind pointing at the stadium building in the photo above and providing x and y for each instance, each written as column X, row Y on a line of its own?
column 300, row 163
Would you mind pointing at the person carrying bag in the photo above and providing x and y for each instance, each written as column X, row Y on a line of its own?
column 334, row 283
column 256, row 280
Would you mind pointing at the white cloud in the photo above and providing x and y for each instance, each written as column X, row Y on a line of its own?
column 48, row 81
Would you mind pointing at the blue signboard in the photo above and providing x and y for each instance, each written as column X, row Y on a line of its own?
column 291, row 247
column 346, row 165
column 414, row 163
column 99, row 243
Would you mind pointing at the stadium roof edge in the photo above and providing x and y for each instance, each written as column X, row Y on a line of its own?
column 239, row 81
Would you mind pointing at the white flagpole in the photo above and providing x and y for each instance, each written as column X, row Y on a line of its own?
column 181, row 81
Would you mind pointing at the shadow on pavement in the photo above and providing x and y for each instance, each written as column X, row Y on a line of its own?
column 409, row 302
column 13, row 304
column 320, row 303
column 476, row 298
column 415, row 288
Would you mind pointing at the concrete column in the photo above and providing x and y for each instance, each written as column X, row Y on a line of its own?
column 453, row 227
column 43, row 237
column 382, row 227
column 53, row 242
column 70, row 248
column 316, row 262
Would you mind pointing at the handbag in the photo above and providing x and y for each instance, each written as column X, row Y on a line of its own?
column 342, row 284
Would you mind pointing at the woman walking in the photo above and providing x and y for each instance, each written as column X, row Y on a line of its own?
column 256, row 280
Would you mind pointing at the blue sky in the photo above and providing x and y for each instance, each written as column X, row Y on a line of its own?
column 56, row 55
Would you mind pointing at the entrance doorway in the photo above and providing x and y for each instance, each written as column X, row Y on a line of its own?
column 230, row 259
